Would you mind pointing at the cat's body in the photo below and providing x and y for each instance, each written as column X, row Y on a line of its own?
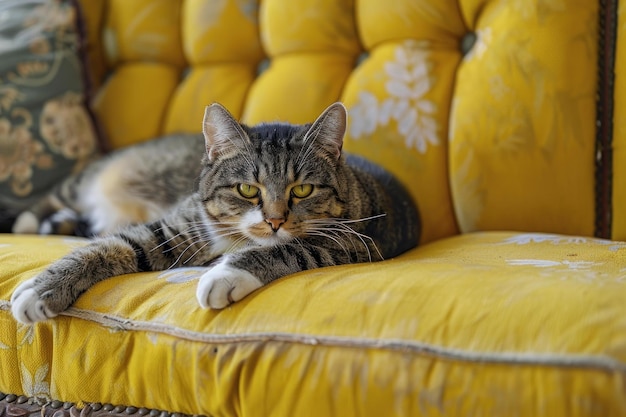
column 270, row 200
column 134, row 185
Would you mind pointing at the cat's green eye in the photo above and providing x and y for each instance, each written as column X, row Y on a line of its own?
column 247, row 190
column 302, row 190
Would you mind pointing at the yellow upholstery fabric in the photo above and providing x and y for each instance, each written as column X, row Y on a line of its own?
column 475, row 321
column 523, row 118
column 313, row 46
column 487, row 322
column 150, row 45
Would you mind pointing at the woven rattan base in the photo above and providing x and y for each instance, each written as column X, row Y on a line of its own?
column 22, row 406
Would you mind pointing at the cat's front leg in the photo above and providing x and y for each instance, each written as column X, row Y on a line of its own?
column 240, row 273
column 54, row 290
column 225, row 284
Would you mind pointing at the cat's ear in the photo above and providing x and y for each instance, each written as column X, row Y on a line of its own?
column 329, row 129
column 222, row 133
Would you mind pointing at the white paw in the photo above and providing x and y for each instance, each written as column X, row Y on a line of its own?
column 223, row 285
column 26, row 222
column 27, row 306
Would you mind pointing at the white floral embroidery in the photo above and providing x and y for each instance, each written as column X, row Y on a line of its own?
column 29, row 333
column 526, row 238
column 581, row 271
column 539, row 9
column 182, row 275
column 364, row 115
column 544, row 263
column 409, row 79
column 34, row 385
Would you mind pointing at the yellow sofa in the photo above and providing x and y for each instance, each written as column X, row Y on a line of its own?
column 503, row 120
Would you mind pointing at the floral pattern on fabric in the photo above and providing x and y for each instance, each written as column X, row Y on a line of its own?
column 46, row 132
column 409, row 78
column 182, row 275
column 35, row 384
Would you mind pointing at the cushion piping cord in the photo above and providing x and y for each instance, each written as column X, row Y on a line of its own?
column 592, row 362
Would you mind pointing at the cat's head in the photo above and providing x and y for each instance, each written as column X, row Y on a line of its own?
column 271, row 183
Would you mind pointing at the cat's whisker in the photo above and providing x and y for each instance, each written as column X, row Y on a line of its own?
column 362, row 237
column 205, row 239
column 176, row 225
column 235, row 243
column 333, row 220
column 246, row 144
column 344, row 229
column 334, row 238
column 176, row 262
column 299, row 242
column 300, row 160
column 309, row 151
column 192, row 239
column 194, row 232
column 227, row 233
column 341, row 236
column 196, row 252
column 191, row 229
column 160, row 245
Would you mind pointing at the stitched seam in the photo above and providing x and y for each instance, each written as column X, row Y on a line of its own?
column 574, row 361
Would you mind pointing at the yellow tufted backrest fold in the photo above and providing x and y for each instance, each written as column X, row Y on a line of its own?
column 222, row 46
column 523, row 118
column 312, row 46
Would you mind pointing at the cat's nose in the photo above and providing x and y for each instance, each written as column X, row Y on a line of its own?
column 275, row 223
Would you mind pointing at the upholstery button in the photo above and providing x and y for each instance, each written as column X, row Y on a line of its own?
column 262, row 66
column 362, row 57
column 467, row 42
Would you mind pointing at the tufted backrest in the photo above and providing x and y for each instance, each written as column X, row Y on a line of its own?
column 486, row 110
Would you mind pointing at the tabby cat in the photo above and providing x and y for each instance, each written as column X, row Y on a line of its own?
column 269, row 201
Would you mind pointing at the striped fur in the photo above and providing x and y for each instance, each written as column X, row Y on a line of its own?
column 271, row 200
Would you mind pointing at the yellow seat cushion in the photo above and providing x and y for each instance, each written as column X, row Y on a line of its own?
column 494, row 322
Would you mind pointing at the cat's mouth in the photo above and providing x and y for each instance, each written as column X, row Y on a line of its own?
column 265, row 235
column 265, row 231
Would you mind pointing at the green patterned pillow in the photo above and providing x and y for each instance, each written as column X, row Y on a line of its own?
column 46, row 130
